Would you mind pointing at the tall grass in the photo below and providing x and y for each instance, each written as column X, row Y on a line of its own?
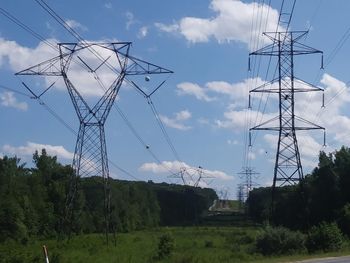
column 192, row 245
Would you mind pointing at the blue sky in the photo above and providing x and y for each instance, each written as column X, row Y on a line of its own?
column 203, row 104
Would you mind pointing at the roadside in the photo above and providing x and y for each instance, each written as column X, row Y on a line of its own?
column 344, row 259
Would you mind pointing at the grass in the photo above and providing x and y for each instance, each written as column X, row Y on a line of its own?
column 192, row 245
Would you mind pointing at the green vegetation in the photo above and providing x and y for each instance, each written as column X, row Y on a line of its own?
column 279, row 241
column 32, row 202
column 324, row 237
column 185, row 245
column 323, row 196
column 169, row 223
column 175, row 244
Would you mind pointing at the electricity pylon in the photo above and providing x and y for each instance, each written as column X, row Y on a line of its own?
column 285, row 46
column 248, row 183
column 191, row 176
column 95, row 59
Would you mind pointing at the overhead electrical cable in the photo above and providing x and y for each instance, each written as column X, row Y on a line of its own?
column 76, row 35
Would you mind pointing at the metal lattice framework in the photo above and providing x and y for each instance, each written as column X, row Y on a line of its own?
column 191, row 176
column 90, row 156
column 248, row 183
column 285, row 46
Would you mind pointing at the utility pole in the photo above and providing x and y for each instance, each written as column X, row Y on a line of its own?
column 285, row 46
column 94, row 60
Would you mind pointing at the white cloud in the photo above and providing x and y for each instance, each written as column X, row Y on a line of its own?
column 76, row 25
column 177, row 122
column 164, row 167
column 83, row 80
column 108, row 5
column 309, row 148
column 8, row 99
column 31, row 147
column 187, row 88
column 130, row 19
column 167, row 28
column 143, row 31
column 10, row 51
column 232, row 22
column 251, row 156
column 232, row 142
column 237, row 92
column 239, row 120
column 176, row 166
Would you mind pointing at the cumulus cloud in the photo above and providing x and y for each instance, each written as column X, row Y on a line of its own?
column 309, row 148
column 167, row 28
column 31, row 147
column 232, row 22
column 175, row 167
column 76, row 25
column 236, row 92
column 238, row 120
column 130, row 19
column 80, row 76
column 108, row 5
column 143, row 31
column 177, row 121
column 8, row 99
column 187, row 88
column 10, row 51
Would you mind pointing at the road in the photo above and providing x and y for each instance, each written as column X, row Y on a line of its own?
column 327, row 260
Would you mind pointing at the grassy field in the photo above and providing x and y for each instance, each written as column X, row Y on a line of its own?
column 191, row 245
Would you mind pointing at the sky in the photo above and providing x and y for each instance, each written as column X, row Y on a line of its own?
column 203, row 104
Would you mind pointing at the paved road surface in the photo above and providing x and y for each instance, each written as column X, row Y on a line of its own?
column 328, row 260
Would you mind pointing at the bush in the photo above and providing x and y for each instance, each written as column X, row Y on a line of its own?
column 344, row 219
column 324, row 237
column 208, row 243
column 279, row 241
column 166, row 245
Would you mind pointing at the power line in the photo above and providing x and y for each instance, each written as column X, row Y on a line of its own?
column 287, row 23
column 68, row 126
column 26, row 28
column 79, row 38
column 76, row 35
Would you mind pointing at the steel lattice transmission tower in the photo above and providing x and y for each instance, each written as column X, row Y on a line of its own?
column 111, row 61
column 285, row 46
column 248, row 183
column 191, row 176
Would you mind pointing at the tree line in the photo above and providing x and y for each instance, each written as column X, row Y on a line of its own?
column 32, row 201
column 322, row 197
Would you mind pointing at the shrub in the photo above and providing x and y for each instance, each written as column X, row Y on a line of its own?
column 324, row 237
column 56, row 258
column 344, row 219
column 208, row 243
column 279, row 241
column 166, row 245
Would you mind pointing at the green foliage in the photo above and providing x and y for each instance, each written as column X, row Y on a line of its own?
column 33, row 202
column 279, row 241
column 166, row 245
column 344, row 219
column 324, row 237
column 321, row 197
column 140, row 247
column 208, row 243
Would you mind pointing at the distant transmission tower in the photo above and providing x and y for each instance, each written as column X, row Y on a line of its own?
column 93, row 60
column 191, row 176
column 248, row 183
column 285, row 46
